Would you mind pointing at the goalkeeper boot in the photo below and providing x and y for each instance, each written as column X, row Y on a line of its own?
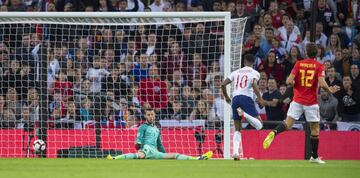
column 109, row 157
column 316, row 160
column 270, row 137
column 206, row 156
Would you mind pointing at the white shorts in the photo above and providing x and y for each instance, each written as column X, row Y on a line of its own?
column 312, row 113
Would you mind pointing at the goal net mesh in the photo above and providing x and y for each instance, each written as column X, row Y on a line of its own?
column 82, row 84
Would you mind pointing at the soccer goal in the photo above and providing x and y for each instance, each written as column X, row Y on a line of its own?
column 79, row 82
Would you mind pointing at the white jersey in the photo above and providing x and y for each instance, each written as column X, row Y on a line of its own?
column 242, row 80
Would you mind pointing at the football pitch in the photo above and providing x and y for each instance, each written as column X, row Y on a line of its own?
column 101, row 168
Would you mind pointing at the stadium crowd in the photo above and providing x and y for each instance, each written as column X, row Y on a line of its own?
column 107, row 74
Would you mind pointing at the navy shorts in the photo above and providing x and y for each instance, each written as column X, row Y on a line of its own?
column 246, row 104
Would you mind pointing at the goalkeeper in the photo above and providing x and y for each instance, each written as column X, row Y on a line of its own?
column 150, row 146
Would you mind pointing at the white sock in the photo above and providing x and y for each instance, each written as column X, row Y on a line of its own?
column 253, row 121
column 236, row 142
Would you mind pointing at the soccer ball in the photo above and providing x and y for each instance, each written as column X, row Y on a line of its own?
column 39, row 145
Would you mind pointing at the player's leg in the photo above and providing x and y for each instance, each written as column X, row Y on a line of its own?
column 294, row 113
column 178, row 156
column 313, row 117
column 237, row 141
column 138, row 155
column 236, row 103
column 248, row 110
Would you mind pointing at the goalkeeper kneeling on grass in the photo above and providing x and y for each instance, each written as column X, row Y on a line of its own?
column 150, row 146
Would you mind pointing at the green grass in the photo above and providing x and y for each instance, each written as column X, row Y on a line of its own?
column 101, row 168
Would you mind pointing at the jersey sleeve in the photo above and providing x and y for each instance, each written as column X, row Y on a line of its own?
column 140, row 135
column 231, row 76
column 256, row 75
column 295, row 70
column 321, row 71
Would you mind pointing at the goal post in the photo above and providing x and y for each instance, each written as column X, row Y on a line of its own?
column 82, row 80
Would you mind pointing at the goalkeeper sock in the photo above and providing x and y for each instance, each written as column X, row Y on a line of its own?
column 279, row 128
column 184, row 157
column 127, row 156
column 314, row 146
column 253, row 121
column 236, row 142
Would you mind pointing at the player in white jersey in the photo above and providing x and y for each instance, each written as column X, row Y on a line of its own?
column 244, row 85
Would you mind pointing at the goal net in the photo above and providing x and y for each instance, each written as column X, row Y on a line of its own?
column 80, row 82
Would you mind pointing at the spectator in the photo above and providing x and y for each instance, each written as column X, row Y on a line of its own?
column 152, row 91
column 57, row 103
column 152, row 45
column 217, row 108
column 85, row 112
column 33, row 104
column 267, row 23
column 25, row 121
column 200, row 112
column 12, row 77
column 178, row 79
column 279, row 50
column 157, row 6
column 325, row 16
column 95, row 74
column 290, row 61
column 174, row 112
column 342, row 11
column 108, row 113
column 71, row 117
column 266, row 43
column 240, row 12
column 344, row 40
column 197, row 68
column 63, row 86
column 262, row 83
column 343, row 66
column 116, row 83
column 176, row 60
column 272, row 68
column 13, row 103
column 187, row 99
column 272, row 102
column 123, row 6
column 120, row 45
column 289, row 36
column 328, row 106
column 54, row 120
column 322, row 55
column 320, row 37
column 349, row 101
column 2, row 107
column 141, row 70
column 8, row 119
column 213, row 72
column 350, row 29
column 331, row 78
column 105, row 6
column 355, row 77
column 276, row 15
column 355, row 57
column 333, row 44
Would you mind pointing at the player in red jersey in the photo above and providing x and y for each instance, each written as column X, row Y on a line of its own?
column 306, row 75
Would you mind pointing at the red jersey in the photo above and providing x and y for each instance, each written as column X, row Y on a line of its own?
column 307, row 73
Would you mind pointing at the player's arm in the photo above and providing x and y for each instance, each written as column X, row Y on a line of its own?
column 139, row 137
column 257, row 92
column 290, row 80
column 160, row 146
column 223, row 88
